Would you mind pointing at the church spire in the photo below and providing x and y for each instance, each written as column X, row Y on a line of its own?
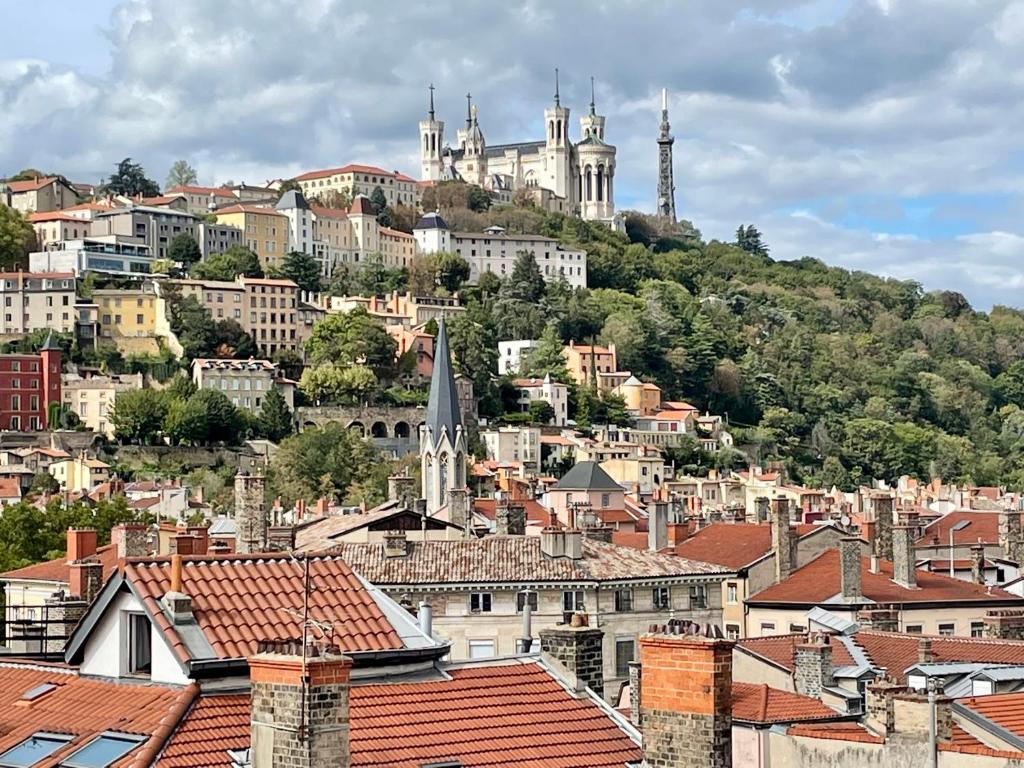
column 558, row 103
column 666, row 185
column 593, row 108
column 469, row 110
column 443, row 412
column 431, row 101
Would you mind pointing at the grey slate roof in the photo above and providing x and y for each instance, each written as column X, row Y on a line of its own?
column 431, row 220
column 586, row 476
column 443, row 412
column 50, row 343
column 291, row 199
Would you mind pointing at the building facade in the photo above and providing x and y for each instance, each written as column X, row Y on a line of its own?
column 40, row 195
column 244, row 382
column 29, row 385
column 92, row 397
column 352, row 180
column 264, row 230
column 32, row 301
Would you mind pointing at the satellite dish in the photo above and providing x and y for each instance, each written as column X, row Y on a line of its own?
column 845, row 520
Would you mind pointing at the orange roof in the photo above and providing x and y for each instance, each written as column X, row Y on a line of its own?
column 87, row 707
column 897, row 652
column 361, row 206
column 839, row 731
column 983, row 526
column 535, row 513
column 30, row 185
column 56, row 570
column 330, row 213
column 781, row 650
column 351, row 168
column 269, row 281
column 255, row 209
column 1004, row 709
column 10, row 488
column 395, row 233
column 763, row 704
column 39, row 218
column 192, row 189
column 91, row 207
column 160, row 200
column 489, row 715
column 230, row 605
column 677, row 405
column 733, row 545
column 818, row 581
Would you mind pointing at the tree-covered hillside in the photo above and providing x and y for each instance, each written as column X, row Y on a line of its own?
column 840, row 375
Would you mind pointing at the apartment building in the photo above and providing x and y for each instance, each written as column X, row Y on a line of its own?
column 224, row 300
column 354, row 180
column 91, row 397
column 264, row 230
column 155, row 226
column 201, row 200
column 584, row 361
column 110, row 254
column 29, row 385
column 554, row 393
column 127, row 312
column 513, row 444
column 217, row 238
column 41, row 194
column 56, row 226
column 270, row 314
column 244, row 382
column 37, row 300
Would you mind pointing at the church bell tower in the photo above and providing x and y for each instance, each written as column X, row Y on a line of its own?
column 556, row 145
column 666, row 185
column 443, row 438
column 431, row 142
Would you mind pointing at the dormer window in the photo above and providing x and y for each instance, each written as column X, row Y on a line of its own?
column 34, row 750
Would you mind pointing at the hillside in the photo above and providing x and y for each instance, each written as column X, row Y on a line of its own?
column 841, row 376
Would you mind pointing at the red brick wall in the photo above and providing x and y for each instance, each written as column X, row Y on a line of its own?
column 685, row 674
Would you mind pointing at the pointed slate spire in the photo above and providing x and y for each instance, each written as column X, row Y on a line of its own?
column 443, row 403
column 50, row 344
column 469, row 109
column 431, row 101
column 593, row 109
column 557, row 102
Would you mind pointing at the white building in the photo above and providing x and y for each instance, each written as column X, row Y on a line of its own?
column 512, row 354
column 579, row 176
column 111, row 254
column 553, row 392
column 514, row 443
column 244, row 382
column 32, row 301
column 495, row 251
column 92, row 398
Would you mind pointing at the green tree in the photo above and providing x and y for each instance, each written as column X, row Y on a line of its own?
column 17, row 239
column 749, row 239
column 339, row 383
column 378, row 200
column 205, row 417
column 541, row 412
column 138, row 416
column 323, row 461
column 181, row 173
column 184, row 250
column 526, row 282
column 302, row 269
column 130, row 180
column 274, row 421
column 352, row 338
column 451, row 271
column 478, row 199
column 236, row 260
column 548, row 357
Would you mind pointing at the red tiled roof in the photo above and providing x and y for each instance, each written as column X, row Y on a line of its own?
column 840, row 731
column 192, row 189
column 535, row 513
column 764, row 704
column 30, row 185
column 351, row 168
column 160, row 200
column 781, row 649
column 634, row 539
column 896, row 651
column 39, row 218
column 817, row 581
column 733, row 545
column 86, row 707
column 239, row 601
column 331, row 213
column 361, row 206
column 495, row 715
column 56, row 570
column 982, row 525
column 1004, row 709
column 395, row 233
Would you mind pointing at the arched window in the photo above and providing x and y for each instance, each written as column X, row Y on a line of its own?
column 426, row 143
column 551, row 129
column 433, row 142
column 590, row 185
column 442, row 471
column 579, row 184
column 460, row 470
column 559, row 129
column 610, row 198
column 600, row 183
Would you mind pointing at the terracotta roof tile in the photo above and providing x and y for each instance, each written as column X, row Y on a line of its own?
column 818, row 581
column 535, row 513
column 896, row 651
column 781, row 649
column 510, row 558
column 840, row 731
column 1004, row 709
column 30, row 185
column 351, row 168
column 733, row 545
column 239, row 601
column 764, row 704
column 56, row 570
column 982, row 525
column 494, row 715
column 86, row 707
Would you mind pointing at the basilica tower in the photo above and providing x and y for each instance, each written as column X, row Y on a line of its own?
column 666, row 186
column 595, row 167
column 556, row 146
column 442, row 437
column 431, row 142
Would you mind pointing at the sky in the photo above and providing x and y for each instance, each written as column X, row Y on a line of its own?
column 878, row 135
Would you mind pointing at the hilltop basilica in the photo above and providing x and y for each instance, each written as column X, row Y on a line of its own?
column 574, row 178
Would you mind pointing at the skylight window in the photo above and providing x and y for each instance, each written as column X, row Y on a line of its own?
column 39, row 747
column 105, row 750
column 40, row 690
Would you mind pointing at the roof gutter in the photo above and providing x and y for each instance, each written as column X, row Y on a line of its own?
column 200, row 669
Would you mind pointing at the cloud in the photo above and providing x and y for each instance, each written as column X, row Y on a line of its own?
column 877, row 119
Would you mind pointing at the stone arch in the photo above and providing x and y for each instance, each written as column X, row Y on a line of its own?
column 378, row 429
column 358, row 427
column 308, row 424
column 402, row 430
column 558, row 131
column 600, row 183
column 426, row 143
column 589, row 183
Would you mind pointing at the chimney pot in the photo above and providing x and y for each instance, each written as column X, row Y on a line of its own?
column 81, row 544
column 849, row 569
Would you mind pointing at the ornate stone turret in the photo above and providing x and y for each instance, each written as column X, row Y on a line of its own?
column 666, row 185
column 431, row 143
column 443, row 440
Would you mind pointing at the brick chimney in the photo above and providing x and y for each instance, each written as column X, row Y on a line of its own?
column 81, row 544
column 201, row 539
column 882, row 504
column 762, row 509
column 978, row 563
column 509, row 517
column 849, row 569
column 783, row 541
column 578, row 649
column 925, row 654
column 686, row 700
column 85, row 579
column 183, row 544
column 881, row 619
column 281, row 538
column 299, row 706
column 175, row 602
column 657, row 526
column 131, row 540
column 904, row 557
column 813, row 671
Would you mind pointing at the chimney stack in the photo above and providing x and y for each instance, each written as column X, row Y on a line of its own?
column 762, row 505
column 783, row 541
column 882, row 503
column 978, row 563
column 400, row 490
column 458, row 510
column 657, row 526
column 281, row 538
column 813, row 660
column 250, row 514
column 300, row 707
column 81, row 544
column 201, row 539
column 176, row 603
column 131, row 540
column 509, row 516
column 577, row 648
column 395, row 544
column 686, row 700
column 849, row 569
column 904, row 557
column 1010, row 534
column 925, row 654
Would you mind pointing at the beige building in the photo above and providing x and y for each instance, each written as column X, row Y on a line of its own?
column 36, row 300
column 554, row 393
column 40, row 195
column 585, row 362
column 151, row 225
column 643, row 398
column 92, row 397
column 270, row 314
column 517, row 443
column 399, row 309
column 495, row 251
column 56, row 227
column 353, row 180
column 224, row 300
column 265, row 231
column 244, row 382
column 201, row 200
column 79, row 473
column 644, row 473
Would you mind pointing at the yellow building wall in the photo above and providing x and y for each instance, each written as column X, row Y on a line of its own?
column 265, row 234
